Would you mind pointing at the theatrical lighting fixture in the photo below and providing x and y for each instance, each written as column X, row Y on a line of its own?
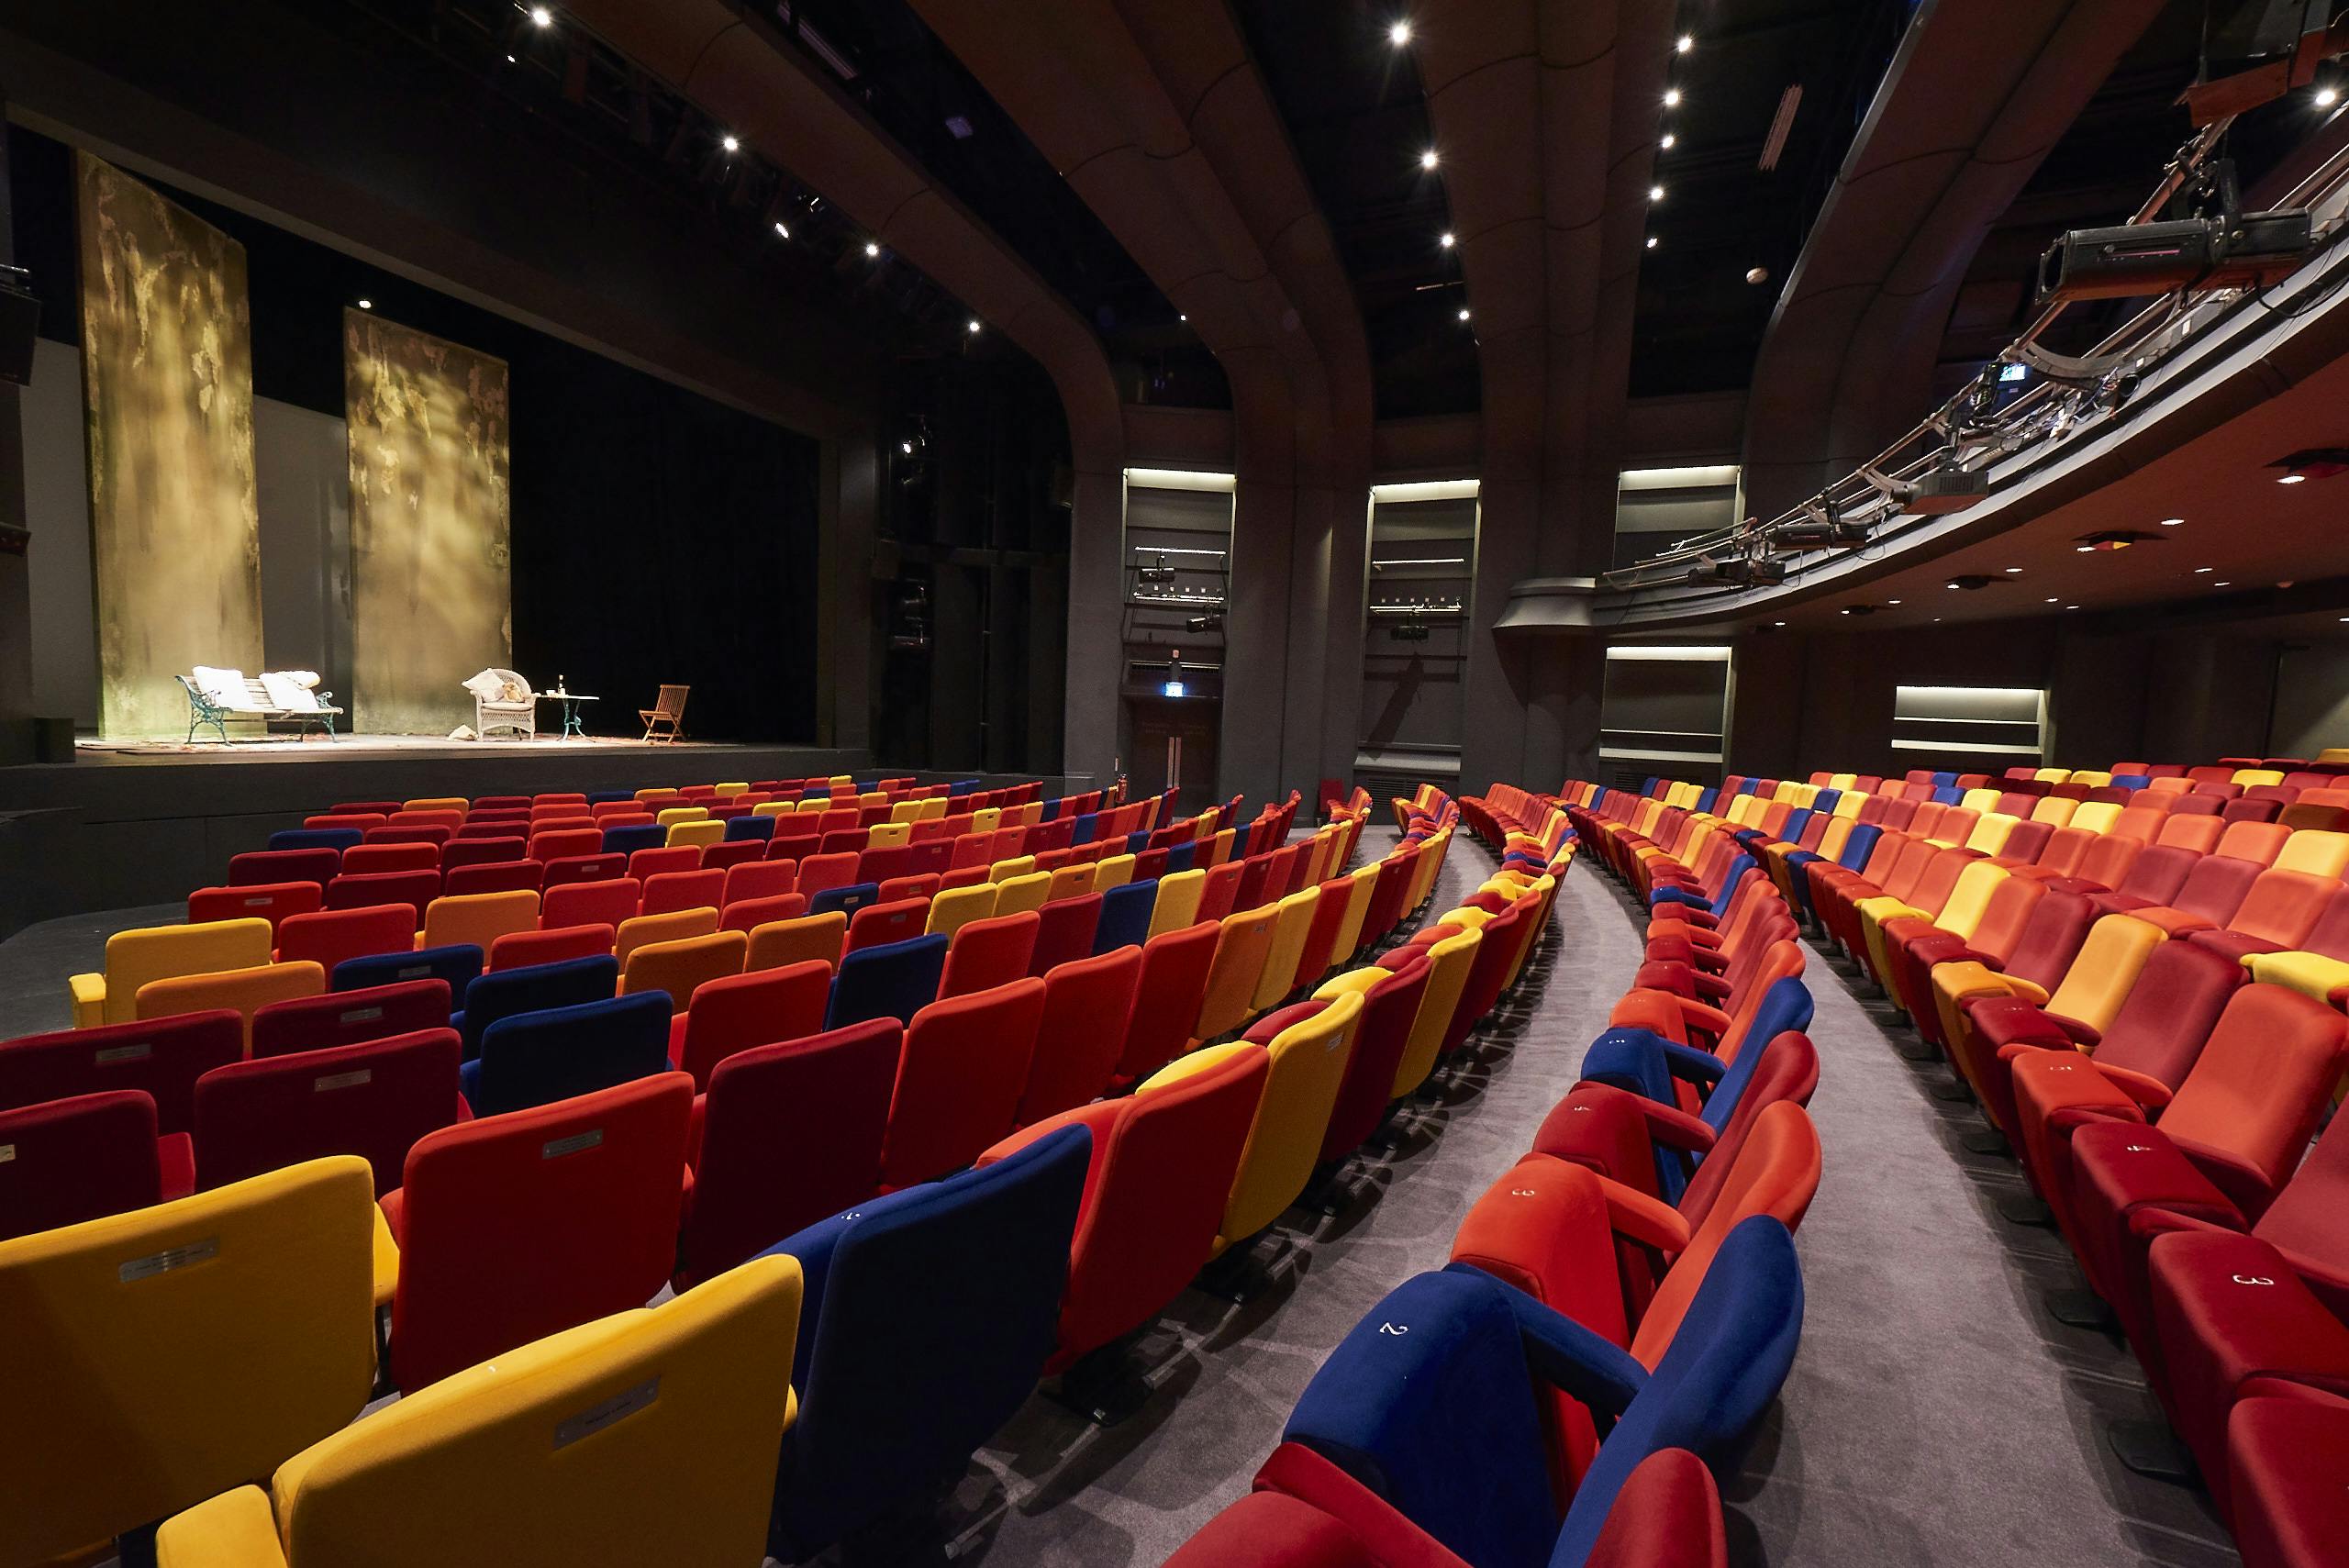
column 1447, row 242
column 1210, row 622
column 1426, row 159
column 2313, row 463
column 1463, row 313
column 731, row 142
column 541, row 15
column 1651, row 241
column 1400, row 33
column 1752, row 571
column 2327, row 96
column 2172, row 522
column 2222, row 247
column 1938, row 490
column 1655, row 193
column 1668, row 141
column 366, row 304
column 782, row 228
column 1672, row 97
column 907, row 448
column 1757, row 274
column 1686, row 42
column 972, row 325
column 873, row 248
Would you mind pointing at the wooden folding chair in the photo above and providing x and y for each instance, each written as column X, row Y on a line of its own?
column 669, row 711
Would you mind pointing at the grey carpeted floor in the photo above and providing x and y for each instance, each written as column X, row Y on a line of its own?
column 1936, row 1415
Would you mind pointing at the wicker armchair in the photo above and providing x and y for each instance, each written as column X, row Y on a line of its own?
column 497, row 705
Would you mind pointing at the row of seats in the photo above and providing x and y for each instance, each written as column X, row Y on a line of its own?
column 1620, row 1308
column 1147, row 1171
column 2130, row 1045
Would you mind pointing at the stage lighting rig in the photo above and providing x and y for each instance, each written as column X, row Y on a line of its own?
column 1747, row 572
column 1942, row 488
column 1823, row 527
column 2216, row 245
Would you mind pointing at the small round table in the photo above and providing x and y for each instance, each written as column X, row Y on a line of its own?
column 569, row 703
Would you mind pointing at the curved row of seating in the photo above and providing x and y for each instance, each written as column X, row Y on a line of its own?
column 549, row 1215
column 1621, row 1307
column 2148, row 1022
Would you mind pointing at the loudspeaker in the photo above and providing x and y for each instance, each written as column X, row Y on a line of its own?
column 19, row 319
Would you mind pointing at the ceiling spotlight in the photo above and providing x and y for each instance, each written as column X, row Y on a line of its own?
column 1651, row 241
column 1655, row 193
column 2012, row 569
column 2293, row 479
column 1447, row 242
column 1782, row 623
column 731, row 142
column 907, row 448
column 2051, row 599
column 1757, row 275
column 1668, row 141
column 873, row 248
column 1891, row 601
column 1672, row 97
column 2199, row 571
column 2172, row 522
column 972, row 325
column 783, row 229
column 2219, row 585
column 1686, row 42
column 1463, row 313
column 366, row 304
column 541, row 15
column 2071, row 607
column 1181, row 318
column 1426, row 159
column 2327, row 96
column 1400, row 33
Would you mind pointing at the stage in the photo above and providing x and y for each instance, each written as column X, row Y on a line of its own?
column 136, row 823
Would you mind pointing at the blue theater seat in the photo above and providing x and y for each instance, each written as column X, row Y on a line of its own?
column 896, row 980
column 530, row 989
column 459, row 963
column 627, row 840
column 1125, row 916
column 740, row 827
column 535, row 1058
column 315, row 839
column 848, row 898
column 927, row 1318
column 1435, row 1399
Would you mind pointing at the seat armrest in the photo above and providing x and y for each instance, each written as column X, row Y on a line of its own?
column 1676, row 1129
column 2085, row 1036
column 1571, row 1358
column 89, row 1000
column 2147, row 1090
column 1650, row 1222
column 235, row 1529
column 1691, row 1064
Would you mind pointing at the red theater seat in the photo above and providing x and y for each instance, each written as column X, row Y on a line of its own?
column 350, row 1018
column 1083, row 1023
column 989, row 953
column 959, row 1080
column 374, row 1099
column 736, row 1012
column 2287, row 1451
column 80, row 1158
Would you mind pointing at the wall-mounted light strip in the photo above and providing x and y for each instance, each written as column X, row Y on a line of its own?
column 1426, row 490
column 1172, row 550
column 1179, row 479
column 1417, row 609
column 1700, row 477
column 1719, row 654
column 1423, row 561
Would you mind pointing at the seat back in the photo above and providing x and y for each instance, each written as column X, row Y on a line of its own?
column 930, row 1315
column 1306, row 1062
column 2107, row 966
column 751, row 1188
column 680, row 968
column 893, row 981
column 989, row 953
column 506, row 993
column 799, row 940
column 1390, row 1005
column 1174, row 969
column 1088, row 1004
column 1066, row 932
column 959, row 1080
column 479, row 919
column 374, row 1099
column 2270, row 1067
column 646, row 1436
column 331, row 935
column 1242, row 944
column 1178, row 901
column 1126, row 909
column 1774, row 1170
column 1451, row 958
column 1293, row 922
column 137, row 957
column 515, row 1227
column 177, row 1351
column 2171, row 1009
column 734, row 1013
column 667, row 892
column 533, row 1059
column 882, row 922
column 161, row 1058
column 77, row 1159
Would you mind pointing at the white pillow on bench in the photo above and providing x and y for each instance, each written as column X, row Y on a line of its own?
column 286, row 690
column 224, row 687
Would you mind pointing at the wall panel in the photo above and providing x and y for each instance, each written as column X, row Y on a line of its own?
column 431, row 521
column 174, row 510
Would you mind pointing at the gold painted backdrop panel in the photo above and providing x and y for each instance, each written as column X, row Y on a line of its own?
column 431, row 575
column 174, row 514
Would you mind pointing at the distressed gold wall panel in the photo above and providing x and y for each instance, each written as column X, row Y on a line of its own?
column 174, row 514
column 430, row 519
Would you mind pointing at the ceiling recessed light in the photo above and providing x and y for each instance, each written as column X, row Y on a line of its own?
column 366, row 304
column 1953, row 584
column 510, row 60
column 1400, row 33
column 1891, row 601
column 1182, row 317
column 1672, row 97
column 2327, row 96
column 2051, row 599
column 1447, row 241
column 907, row 448
column 2172, row 522
column 2084, row 548
column 1686, row 42
column 972, row 325
column 541, row 15
column 731, row 142
column 1651, row 241
column 1668, row 141
column 1426, row 159
column 2293, row 479
column 2200, row 569
column 2220, row 584
column 1782, row 623
column 2071, row 607
column 2012, row 569
column 873, row 248
column 783, row 229
column 1463, row 313
column 1655, row 193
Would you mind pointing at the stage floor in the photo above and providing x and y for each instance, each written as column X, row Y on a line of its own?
column 407, row 748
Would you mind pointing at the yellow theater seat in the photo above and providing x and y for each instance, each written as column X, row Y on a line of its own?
column 680, row 965
column 1982, row 799
column 162, row 952
column 1018, row 866
column 1309, row 1062
column 155, row 1358
column 807, row 938
column 2317, row 851
column 478, row 918
column 957, row 906
column 2053, row 810
column 244, row 991
column 986, row 820
column 676, row 926
column 1990, row 831
column 672, row 815
column 647, row 1437
column 888, row 835
column 906, row 811
column 1547, row 887
column 774, row 808
column 729, row 791
column 1220, row 848
column 2095, row 817
column 1293, row 921
column 1069, row 882
column 1178, row 901
column 1112, row 871
column 2095, row 778
column 699, row 834
column 1848, row 804
column 2311, row 973
column 1017, row 895
column 1240, row 949
column 1449, row 960
column 2250, row 778
column 932, row 808
column 1362, row 882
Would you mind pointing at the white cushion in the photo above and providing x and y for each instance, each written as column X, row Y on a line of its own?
column 287, row 692
column 225, row 688
column 487, row 687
